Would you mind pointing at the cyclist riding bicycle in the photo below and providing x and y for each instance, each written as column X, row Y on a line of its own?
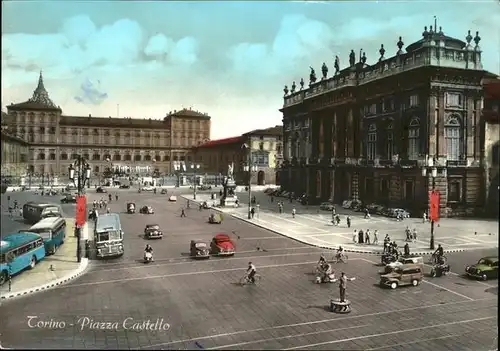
column 322, row 260
column 251, row 271
column 340, row 253
column 439, row 253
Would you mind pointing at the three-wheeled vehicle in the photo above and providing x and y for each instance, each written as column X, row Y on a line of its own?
column 147, row 210
column 152, row 231
column 215, row 218
column 199, row 249
column 130, row 207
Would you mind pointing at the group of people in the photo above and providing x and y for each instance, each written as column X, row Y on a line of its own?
column 360, row 237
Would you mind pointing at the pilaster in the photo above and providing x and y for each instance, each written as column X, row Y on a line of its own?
column 441, row 144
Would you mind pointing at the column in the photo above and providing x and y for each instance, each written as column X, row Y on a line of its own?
column 431, row 128
column 441, row 148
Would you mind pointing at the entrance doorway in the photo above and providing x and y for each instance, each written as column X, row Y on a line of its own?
column 261, row 178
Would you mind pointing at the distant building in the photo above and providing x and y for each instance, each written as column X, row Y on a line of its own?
column 369, row 131
column 266, row 151
column 135, row 147
column 15, row 157
column 491, row 132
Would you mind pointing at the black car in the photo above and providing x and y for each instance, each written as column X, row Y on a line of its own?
column 101, row 190
column 152, row 231
column 124, row 186
column 69, row 199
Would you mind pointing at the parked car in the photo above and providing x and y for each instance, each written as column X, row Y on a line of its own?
column 148, row 188
column 199, row 249
column 222, row 245
column 101, row 190
column 172, row 198
column 326, row 206
column 69, row 199
column 124, row 186
column 408, row 274
column 486, row 268
column 147, row 210
column 152, row 231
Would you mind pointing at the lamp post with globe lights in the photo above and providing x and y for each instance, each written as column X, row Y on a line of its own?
column 249, row 168
column 195, row 168
column 79, row 173
column 430, row 169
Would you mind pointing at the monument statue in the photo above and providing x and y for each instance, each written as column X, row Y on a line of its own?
column 337, row 65
column 230, row 170
column 312, row 76
column 324, row 70
column 352, row 58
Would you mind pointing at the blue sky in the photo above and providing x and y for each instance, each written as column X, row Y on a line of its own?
column 229, row 59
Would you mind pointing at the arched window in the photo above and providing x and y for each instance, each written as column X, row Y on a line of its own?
column 414, row 139
column 389, row 141
column 371, row 146
column 453, row 138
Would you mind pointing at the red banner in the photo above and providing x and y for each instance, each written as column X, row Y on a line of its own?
column 434, row 200
column 81, row 210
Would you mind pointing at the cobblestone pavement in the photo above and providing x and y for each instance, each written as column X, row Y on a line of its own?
column 205, row 308
column 313, row 226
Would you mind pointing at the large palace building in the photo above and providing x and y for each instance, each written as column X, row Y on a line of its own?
column 379, row 133
column 127, row 145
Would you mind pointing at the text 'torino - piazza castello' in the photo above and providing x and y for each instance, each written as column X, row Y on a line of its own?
column 125, row 144
column 367, row 131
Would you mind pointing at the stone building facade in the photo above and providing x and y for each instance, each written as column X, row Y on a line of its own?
column 491, row 130
column 126, row 145
column 266, row 152
column 367, row 132
column 15, row 156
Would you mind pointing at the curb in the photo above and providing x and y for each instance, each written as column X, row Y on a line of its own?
column 360, row 251
column 81, row 269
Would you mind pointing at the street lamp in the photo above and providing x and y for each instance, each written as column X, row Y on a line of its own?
column 82, row 170
column 429, row 168
column 177, row 169
column 29, row 173
column 249, row 168
column 195, row 168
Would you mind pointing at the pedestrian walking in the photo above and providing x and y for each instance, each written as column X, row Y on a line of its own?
column 183, row 213
column 375, row 237
column 252, row 212
column 293, row 212
column 116, row 197
column 272, row 199
column 424, row 217
column 361, row 237
column 367, row 213
column 355, row 236
column 367, row 237
column 414, row 236
column 348, row 220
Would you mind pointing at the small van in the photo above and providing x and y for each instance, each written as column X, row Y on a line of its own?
column 407, row 274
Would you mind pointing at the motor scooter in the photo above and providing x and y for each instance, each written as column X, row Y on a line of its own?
column 148, row 257
column 325, row 278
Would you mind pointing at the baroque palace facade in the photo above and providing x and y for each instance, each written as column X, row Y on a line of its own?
column 368, row 132
column 125, row 145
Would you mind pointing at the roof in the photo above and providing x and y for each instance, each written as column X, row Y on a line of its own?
column 272, row 131
column 46, row 222
column 221, row 142
column 40, row 100
column 188, row 113
column 12, row 241
column 113, row 122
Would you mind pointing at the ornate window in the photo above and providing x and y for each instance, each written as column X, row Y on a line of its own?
column 137, row 158
column 128, row 158
column 389, row 141
column 41, row 156
column 147, row 158
column 414, row 139
column 96, row 157
column 117, row 134
column 64, row 156
column 371, row 145
column 106, row 132
column 414, row 100
column 137, row 134
column 157, row 158
column 42, row 130
column 453, row 137
column 86, row 132
column 107, row 157
column 74, row 156
column 453, row 99
column 454, row 190
column 127, row 135
column 52, row 130
column 166, row 158
column 52, row 156
column 74, row 132
column 96, row 132
column 86, row 156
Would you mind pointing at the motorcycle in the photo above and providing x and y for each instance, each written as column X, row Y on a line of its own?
column 388, row 258
column 324, row 278
column 439, row 270
column 148, row 257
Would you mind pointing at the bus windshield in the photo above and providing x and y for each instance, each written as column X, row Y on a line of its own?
column 107, row 236
column 44, row 233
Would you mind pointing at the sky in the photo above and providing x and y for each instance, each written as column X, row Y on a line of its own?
column 229, row 59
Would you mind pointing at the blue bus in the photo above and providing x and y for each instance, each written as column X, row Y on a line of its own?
column 18, row 252
column 53, row 232
column 34, row 212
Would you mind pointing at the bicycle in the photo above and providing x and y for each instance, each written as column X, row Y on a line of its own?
column 434, row 258
column 340, row 258
column 246, row 281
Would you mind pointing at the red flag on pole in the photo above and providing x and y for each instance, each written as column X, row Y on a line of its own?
column 434, row 199
column 81, row 210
